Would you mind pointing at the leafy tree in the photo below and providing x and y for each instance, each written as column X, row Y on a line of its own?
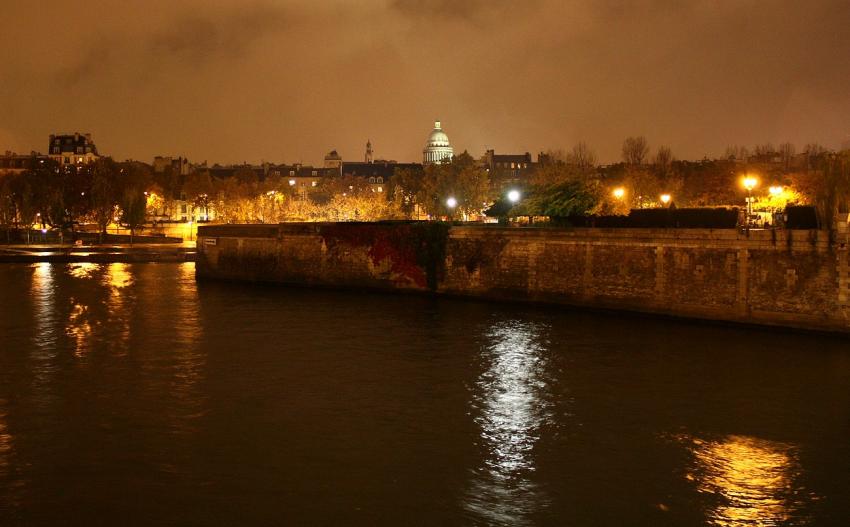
column 406, row 187
column 104, row 194
column 567, row 198
column 136, row 179
column 461, row 179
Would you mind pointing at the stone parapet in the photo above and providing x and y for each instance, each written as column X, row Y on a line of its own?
column 795, row 279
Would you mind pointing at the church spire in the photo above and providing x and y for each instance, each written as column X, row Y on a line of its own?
column 369, row 151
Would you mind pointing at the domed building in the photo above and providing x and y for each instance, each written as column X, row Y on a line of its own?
column 437, row 149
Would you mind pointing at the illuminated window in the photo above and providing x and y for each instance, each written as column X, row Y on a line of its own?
column 380, row 189
column 314, row 173
column 291, row 173
column 380, row 180
column 314, row 183
column 291, row 182
column 371, row 180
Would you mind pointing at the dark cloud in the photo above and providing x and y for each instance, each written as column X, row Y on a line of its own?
column 225, row 80
column 194, row 39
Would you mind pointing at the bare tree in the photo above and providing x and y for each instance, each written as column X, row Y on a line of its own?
column 663, row 159
column 764, row 150
column 813, row 152
column 787, row 151
column 635, row 150
column 582, row 156
column 735, row 152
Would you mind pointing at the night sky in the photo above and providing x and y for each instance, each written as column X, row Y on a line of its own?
column 232, row 81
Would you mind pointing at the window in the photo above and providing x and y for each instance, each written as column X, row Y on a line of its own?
column 55, row 149
column 291, row 182
column 314, row 183
column 380, row 189
column 291, row 173
column 183, row 210
column 67, row 159
column 513, row 165
column 380, row 180
column 371, row 180
column 313, row 173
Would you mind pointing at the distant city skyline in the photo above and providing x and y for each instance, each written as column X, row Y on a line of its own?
column 225, row 82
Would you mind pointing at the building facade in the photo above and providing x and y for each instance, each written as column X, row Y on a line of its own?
column 507, row 169
column 179, row 165
column 12, row 163
column 72, row 149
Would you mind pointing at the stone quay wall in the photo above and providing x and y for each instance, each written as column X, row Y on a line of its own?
column 798, row 279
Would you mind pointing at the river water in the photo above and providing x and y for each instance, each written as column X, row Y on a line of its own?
column 132, row 395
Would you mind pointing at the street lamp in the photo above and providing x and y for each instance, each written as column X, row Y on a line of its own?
column 775, row 191
column 619, row 192
column 749, row 182
column 451, row 203
column 513, row 196
column 665, row 198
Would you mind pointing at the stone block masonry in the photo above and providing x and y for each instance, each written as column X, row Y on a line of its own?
column 784, row 278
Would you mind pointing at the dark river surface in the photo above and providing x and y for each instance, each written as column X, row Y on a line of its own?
column 132, row 395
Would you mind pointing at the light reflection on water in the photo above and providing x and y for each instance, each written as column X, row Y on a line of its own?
column 753, row 481
column 511, row 396
column 120, row 282
column 5, row 442
column 44, row 350
column 190, row 361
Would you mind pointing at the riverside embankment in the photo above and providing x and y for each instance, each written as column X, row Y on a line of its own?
column 137, row 253
column 788, row 278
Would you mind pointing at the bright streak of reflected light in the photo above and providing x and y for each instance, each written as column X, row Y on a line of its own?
column 754, row 481
column 512, row 398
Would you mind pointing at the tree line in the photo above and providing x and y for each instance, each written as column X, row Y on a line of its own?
column 562, row 183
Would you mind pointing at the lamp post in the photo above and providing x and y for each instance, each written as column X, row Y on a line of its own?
column 749, row 183
column 451, row 203
column 665, row 199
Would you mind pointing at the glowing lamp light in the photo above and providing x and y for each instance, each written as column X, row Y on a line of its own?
column 291, row 182
column 750, row 182
column 619, row 192
column 775, row 191
column 513, row 196
column 665, row 198
column 451, row 203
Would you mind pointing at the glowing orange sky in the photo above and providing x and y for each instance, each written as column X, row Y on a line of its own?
column 233, row 81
